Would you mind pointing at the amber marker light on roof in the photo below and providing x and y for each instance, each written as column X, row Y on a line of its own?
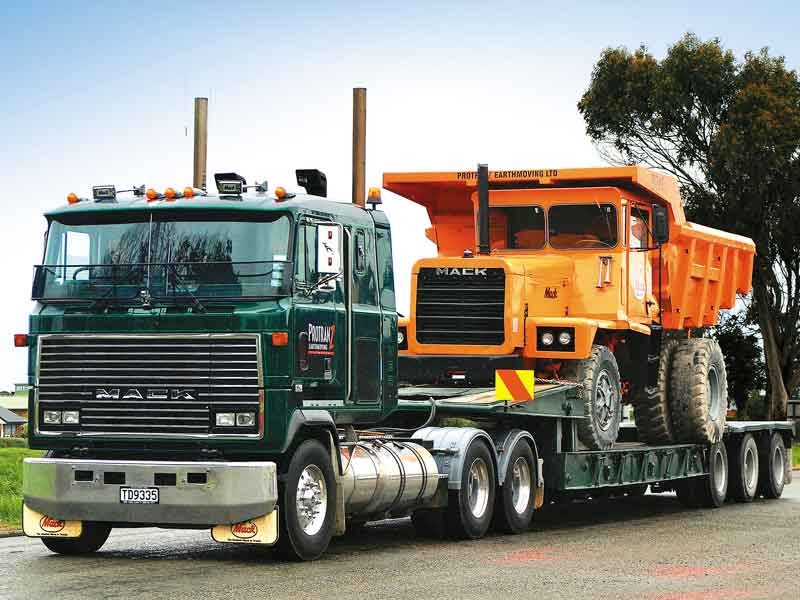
column 169, row 193
column 73, row 198
column 280, row 193
column 151, row 195
column 374, row 193
column 188, row 192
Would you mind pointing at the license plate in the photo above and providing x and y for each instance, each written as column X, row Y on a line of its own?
column 128, row 495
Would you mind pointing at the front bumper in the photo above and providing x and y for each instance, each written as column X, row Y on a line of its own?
column 226, row 492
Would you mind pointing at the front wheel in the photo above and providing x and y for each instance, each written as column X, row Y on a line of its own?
column 601, row 392
column 308, row 503
column 91, row 539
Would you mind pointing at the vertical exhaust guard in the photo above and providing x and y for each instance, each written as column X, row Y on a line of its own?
column 483, row 209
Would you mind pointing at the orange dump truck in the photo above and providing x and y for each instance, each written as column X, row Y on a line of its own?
column 587, row 275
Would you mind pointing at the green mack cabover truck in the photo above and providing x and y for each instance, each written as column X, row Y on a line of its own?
column 229, row 363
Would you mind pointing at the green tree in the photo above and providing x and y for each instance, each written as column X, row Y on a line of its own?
column 744, row 360
column 729, row 130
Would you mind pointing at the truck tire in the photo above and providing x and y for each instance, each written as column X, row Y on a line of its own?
column 773, row 465
column 598, row 376
column 652, row 403
column 699, row 392
column 469, row 509
column 713, row 489
column 307, row 503
column 743, row 455
column 92, row 538
column 514, row 507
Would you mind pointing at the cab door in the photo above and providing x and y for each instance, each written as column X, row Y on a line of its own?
column 319, row 322
column 640, row 271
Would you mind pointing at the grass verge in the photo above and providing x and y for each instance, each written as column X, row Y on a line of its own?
column 796, row 456
column 11, row 484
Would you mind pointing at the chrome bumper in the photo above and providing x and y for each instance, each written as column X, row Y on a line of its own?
column 227, row 492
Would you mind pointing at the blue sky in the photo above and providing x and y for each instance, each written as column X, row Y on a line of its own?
column 101, row 92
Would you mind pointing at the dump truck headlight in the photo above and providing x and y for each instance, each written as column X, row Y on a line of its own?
column 547, row 338
column 564, row 338
column 400, row 337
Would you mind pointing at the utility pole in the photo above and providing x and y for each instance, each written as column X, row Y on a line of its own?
column 359, row 144
column 200, row 142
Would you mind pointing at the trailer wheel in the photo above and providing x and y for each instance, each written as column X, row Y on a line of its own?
column 652, row 404
column 699, row 387
column 92, row 538
column 744, row 469
column 602, row 398
column 514, row 507
column 307, row 503
column 712, row 489
column 469, row 509
column 773, row 465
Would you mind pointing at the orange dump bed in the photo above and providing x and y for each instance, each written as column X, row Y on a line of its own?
column 703, row 268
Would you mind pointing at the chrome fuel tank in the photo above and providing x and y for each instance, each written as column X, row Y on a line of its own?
column 387, row 476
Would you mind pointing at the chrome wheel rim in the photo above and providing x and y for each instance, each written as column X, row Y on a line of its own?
column 478, row 488
column 720, row 473
column 777, row 465
column 311, row 500
column 520, row 485
column 750, row 469
column 605, row 400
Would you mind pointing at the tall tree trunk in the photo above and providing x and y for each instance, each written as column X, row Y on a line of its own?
column 778, row 396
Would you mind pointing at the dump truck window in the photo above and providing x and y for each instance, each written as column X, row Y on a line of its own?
column 639, row 228
column 516, row 227
column 583, row 226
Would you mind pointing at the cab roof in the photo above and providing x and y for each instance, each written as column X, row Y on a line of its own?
column 439, row 191
column 299, row 204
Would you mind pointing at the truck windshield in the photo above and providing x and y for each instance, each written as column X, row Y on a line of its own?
column 174, row 256
column 585, row 226
column 516, row 227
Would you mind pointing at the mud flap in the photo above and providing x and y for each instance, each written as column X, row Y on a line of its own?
column 261, row 530
column 35, row 524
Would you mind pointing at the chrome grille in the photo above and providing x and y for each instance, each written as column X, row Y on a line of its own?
column 460, row 306
column 147, row 384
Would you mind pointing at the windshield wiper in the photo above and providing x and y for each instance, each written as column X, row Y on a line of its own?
column 104, row 301
column 180, row 281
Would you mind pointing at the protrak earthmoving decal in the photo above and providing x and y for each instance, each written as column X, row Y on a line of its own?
column 321, row 339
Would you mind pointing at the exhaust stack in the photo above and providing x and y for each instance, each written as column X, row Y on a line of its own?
column 359, row 144
column 483, row 209
column 200, row 142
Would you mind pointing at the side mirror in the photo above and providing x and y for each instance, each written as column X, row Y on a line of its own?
column 660, row 224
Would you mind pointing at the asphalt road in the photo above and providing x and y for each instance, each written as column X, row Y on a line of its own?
column 648, row 547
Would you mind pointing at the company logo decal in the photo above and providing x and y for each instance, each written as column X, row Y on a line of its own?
column 51, row 525
column 244, row 530
column 551, row 292
column 463, row 272
column 321, row 339
column 141, row 394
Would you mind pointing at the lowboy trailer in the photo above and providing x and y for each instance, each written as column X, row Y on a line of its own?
column 230, row 363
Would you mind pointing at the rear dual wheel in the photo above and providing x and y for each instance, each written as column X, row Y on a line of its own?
column 744, row 469
column 773, row 467
column 710, row 490
column 514, row 507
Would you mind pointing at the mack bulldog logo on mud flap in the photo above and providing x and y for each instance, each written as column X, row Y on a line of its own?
column 244, row 530
column 321, row 339
column 51, row 525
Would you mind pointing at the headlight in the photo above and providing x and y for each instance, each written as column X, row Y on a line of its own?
column 245, row 419
column 401, row 337
column 547, row 339
column 52, row 417
column 71, row 417
column 564, row 338
column 226, row 419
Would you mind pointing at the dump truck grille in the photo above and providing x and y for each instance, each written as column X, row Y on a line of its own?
column 460, row 306
column 147, row 384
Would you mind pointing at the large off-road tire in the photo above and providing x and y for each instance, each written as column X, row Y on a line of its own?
column 307, row 503
column 743, row 456
column 469, row 510
column 92, row 538
column 772, row 458
column 699, row 392
column 652, row 410
column 514, row 508
column 598, row 376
